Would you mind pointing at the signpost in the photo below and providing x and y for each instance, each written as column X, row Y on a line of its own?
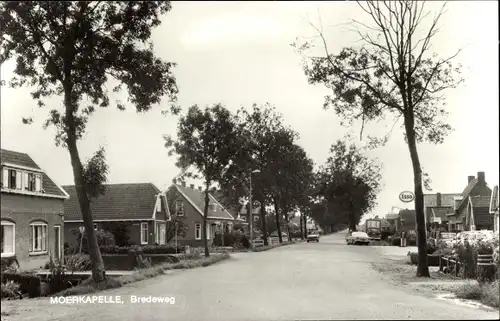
column 82, row 230
column 406, row 196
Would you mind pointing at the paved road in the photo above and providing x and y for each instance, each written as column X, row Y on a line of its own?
column 307, row 281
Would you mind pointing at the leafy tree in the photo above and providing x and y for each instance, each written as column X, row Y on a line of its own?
column 120, row 231
column 349, row 181
column 206, row 140
column 391, row 73
column 71, row 49
column 177, row 224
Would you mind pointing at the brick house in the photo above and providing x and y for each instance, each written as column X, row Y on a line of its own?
column 472, row 210
column 437, row 205
column 141, row 207
column 32, row 209
column 189, row 202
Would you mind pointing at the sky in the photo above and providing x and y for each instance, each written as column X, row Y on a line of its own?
column 238, row 53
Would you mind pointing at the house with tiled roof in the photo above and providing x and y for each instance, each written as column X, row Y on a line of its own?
column 472, row 209
column 437, row 205
column 140, row 207
column 190, row 203
column 32, row 210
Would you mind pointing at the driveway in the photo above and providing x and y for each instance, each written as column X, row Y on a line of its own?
column 306, row 281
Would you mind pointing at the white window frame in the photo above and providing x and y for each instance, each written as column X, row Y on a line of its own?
column 38, row 183
column 146, row 233
column 33, row 226
column 9, row 223
column 230, row 227
column 179, row 210
column 160, row 234
column 197, row 231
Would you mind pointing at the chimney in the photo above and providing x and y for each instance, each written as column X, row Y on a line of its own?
column 438, row 199
column 199, row 188
column 183, row 184
column 469, row 179
column 192, row 186
column 174, row 181
column 480, row 178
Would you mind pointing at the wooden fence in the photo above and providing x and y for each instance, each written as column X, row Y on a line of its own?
column 483, row 261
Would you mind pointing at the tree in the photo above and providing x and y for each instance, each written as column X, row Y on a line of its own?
column 206, row 140
column 391, row 73
column 176, row 225
column 70, row 50
column 349, row 181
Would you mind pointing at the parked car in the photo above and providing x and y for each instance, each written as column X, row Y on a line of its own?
column 313, row 236
column 357, row 238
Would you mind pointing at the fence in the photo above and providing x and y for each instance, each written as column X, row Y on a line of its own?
column 484, row 261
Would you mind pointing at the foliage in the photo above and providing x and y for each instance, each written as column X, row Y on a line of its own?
column 349, row 183
column 74, row 50
column 104, row 238
column 207, row 140
column 120, row 231
column 9, row 264
column 148, row 249
column 177, row 224
column 28, row 283
column 78, row 262
column 486, row 293
column 10, row 289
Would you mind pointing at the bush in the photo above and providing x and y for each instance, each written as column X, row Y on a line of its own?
column 229, row 239
column 104, row 239
column 148, row 249
column 245, row 242
column 28, row 283
column 10, row 289
column 487, row 293
column 78, row 262
column 9, row 264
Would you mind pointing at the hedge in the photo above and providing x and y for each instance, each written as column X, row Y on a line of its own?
column 148, row 249
column 28, row 283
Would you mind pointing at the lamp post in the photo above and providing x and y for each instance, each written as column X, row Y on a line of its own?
column 250, row 207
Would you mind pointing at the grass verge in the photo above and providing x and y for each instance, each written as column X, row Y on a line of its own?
column 269, row 247
column 87, row 286
column 486, row 293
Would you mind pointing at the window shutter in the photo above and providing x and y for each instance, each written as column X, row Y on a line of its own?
column 26, row 181
column 5, row 178
column 19, row 181
column 38, row 182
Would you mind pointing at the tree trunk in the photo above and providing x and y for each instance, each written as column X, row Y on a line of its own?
column 287, row 220
column 305, row 227
column 423, row 267
column 278, row 221
column 263, row 219
column 205, row 215
column 98, row 271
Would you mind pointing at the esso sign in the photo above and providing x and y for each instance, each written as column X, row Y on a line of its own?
column 406, row 197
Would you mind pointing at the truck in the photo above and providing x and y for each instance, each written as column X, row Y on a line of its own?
column 373, row 228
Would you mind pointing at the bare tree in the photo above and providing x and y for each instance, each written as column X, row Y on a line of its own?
column 391, row 73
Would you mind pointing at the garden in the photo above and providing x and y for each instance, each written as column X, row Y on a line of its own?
column 468, row 255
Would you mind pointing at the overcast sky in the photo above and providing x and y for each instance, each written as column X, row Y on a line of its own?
column 238, row 53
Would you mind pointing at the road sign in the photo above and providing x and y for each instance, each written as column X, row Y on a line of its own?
column 82, row 229
column 406, row 196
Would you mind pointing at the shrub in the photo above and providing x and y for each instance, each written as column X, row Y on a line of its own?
column 28, row 283
column 120, row 231
column 9, row 264
column 10, row 289
column 487, row 293
column 148, row 249
column 78, row 262
column 245, row 242
column 104, row 238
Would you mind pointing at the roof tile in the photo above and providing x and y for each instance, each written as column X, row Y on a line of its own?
column 119, row 201
column 198, row 200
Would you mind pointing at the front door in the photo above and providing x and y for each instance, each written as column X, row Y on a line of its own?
column 57, row 243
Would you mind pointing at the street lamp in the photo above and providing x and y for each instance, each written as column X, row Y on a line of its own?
column 250, row 207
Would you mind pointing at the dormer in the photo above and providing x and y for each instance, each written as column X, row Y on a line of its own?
column 22, row 179
column 457, row 200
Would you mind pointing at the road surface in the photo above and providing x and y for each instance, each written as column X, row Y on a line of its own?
column 307, row 281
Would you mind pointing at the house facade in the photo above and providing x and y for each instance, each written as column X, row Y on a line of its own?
column 140, row 208
column 32, row 210
column 494, row 208
column 436, row 206
column 188, row 202
column 472, row 209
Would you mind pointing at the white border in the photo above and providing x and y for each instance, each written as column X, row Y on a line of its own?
column 5, row 222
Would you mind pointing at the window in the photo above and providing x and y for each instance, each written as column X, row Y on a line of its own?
column 38, row 183
column 160, row 233
column 12, row 179
column 179, row 207
column 38, row 237
column 158, row 204
column 207, row 234
column 144, row 233
column 31, row 185
column 197, row 231
column 8, row 238
column 230, row 226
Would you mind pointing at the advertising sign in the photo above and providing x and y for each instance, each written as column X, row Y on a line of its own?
column 406, row 196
